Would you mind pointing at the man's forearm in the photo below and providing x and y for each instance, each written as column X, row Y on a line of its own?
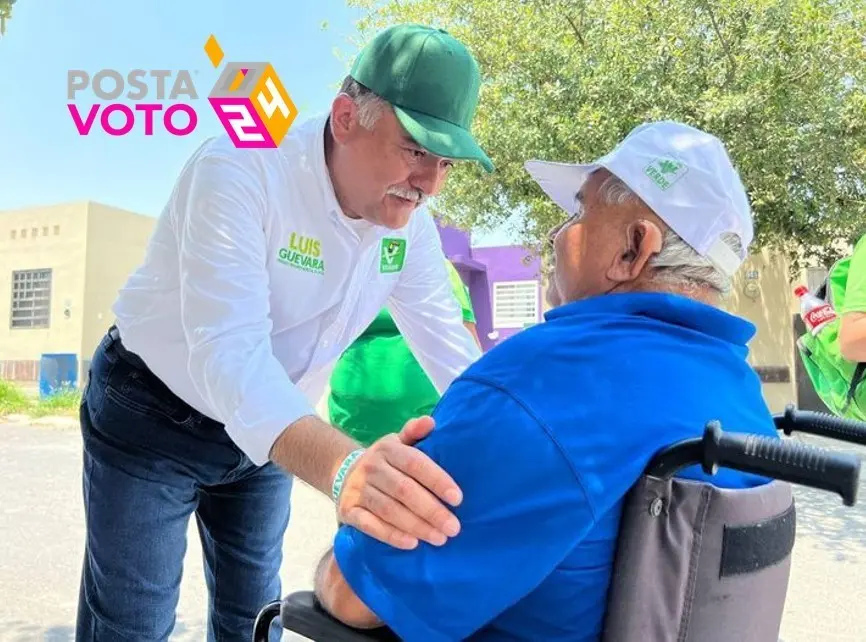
column 337, row 597
column 312, row 450
column 852, row 336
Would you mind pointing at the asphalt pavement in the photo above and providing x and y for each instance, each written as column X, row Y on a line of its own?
column 41, row 530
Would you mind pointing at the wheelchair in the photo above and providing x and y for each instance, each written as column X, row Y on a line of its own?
column 694, row 563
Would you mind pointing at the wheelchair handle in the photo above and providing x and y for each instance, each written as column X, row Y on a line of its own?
column 789, row 461
column 820, row 423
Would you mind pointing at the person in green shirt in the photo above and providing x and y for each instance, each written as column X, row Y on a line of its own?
column 852, row 331
column 378, row 385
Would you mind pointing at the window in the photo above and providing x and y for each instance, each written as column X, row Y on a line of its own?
column 515, row 304
column 31, row 299
column 56, row 230
column 34, row 232
column 13, row 234
column 45, row 231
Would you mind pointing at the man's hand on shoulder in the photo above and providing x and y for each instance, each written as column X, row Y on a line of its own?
column 385, row 495
column 393, row 492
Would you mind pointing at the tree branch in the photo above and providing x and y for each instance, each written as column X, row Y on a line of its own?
column 733, row 67
column 576, row 30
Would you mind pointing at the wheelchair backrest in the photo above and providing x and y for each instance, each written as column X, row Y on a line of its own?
column 697, row 563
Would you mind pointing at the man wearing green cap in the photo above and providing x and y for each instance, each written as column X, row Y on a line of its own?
column 264, row 266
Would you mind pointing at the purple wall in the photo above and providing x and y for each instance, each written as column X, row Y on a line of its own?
column 481, row 268
column 505, row 263
column 454, row 240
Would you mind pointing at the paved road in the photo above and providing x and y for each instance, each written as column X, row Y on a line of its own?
column 42, row 540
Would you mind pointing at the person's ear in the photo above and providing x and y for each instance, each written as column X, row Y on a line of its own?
column 344, row 118
column 643, row 241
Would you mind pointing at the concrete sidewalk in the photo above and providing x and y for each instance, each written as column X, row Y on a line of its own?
column 41, row 530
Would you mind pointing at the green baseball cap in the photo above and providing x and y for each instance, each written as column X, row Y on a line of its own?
column 432, row 82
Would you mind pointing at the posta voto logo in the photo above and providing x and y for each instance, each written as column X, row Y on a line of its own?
column 249, row 99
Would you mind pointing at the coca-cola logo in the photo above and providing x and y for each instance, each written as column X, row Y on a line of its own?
column 820, row 315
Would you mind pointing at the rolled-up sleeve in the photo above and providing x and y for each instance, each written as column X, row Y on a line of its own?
column 225, row 302
column 427, row 312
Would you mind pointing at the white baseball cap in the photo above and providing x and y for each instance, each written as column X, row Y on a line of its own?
column 683, row 174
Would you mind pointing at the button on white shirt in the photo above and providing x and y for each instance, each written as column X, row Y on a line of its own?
column 254, row 283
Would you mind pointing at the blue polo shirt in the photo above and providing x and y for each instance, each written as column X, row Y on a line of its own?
column 545, row 434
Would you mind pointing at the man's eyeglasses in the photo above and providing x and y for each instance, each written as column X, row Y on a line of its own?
column 574, row 218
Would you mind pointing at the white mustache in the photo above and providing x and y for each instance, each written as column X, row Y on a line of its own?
column 409, row 194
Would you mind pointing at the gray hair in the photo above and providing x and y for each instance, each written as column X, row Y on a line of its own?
column 677, row 263
column 370, row 106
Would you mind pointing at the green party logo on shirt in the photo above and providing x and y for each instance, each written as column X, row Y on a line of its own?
column 303, row 253
column 393, row 255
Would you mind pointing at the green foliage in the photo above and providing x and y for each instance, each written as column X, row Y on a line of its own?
column 5, row 13
column 13, row 400
column 62, row 402
column 781, row 82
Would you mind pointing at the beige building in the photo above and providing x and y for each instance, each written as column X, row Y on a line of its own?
column 60, row 270
column 763, row 294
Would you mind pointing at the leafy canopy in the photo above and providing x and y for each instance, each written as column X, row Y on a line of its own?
column 781, row 82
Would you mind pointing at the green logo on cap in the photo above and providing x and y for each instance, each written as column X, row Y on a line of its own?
column 393, row 255
column 664, row 172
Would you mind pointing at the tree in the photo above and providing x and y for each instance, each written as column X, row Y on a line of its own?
column 781, row 82
column 5, row 14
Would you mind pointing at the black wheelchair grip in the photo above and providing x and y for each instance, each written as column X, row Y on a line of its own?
column 822, row 424
column 789, row 461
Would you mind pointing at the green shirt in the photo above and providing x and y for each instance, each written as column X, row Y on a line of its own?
column 377, row 384
column 855, row 286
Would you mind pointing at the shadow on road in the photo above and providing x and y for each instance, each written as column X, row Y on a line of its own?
column 821, row 514
column 836, row 527
column 184, row 632
column 28, row 632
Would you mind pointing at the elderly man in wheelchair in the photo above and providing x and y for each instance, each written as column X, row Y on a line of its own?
column 575, row 524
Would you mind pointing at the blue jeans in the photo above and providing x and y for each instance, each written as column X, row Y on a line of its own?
column 150, row 462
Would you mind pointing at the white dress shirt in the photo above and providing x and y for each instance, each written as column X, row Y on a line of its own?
column 254, row 283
